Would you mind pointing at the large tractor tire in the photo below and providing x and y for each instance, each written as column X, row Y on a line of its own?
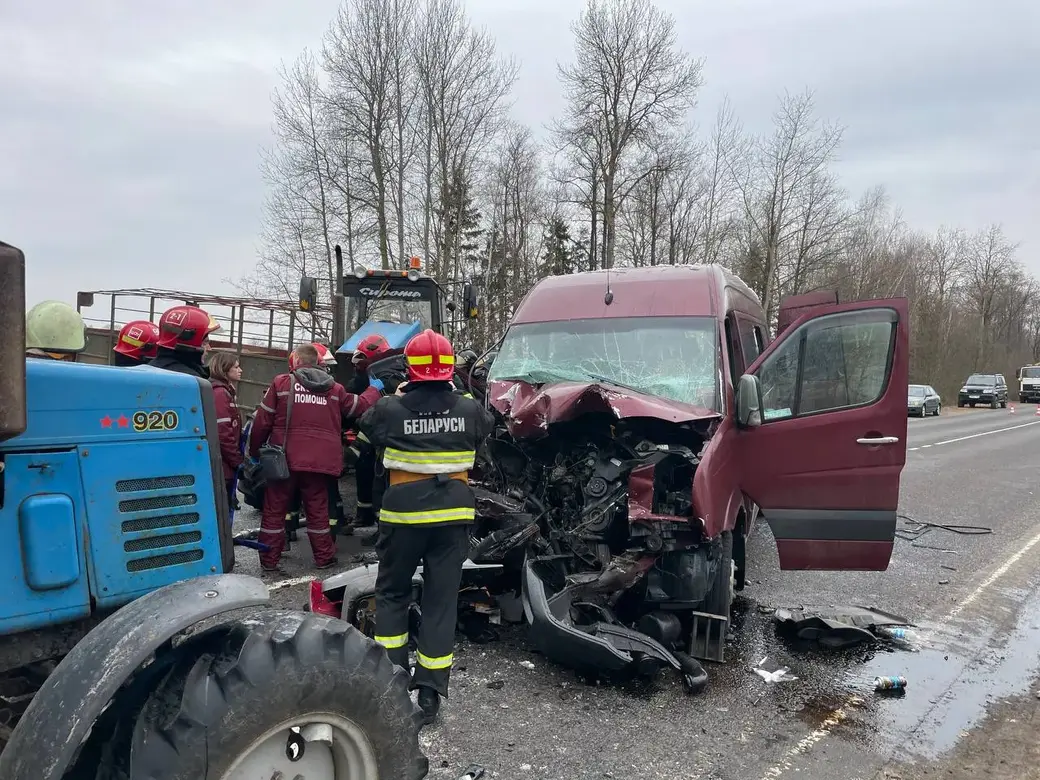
column 280, row 694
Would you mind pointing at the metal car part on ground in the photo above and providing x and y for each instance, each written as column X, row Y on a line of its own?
column 837, row 627
column 618, row 489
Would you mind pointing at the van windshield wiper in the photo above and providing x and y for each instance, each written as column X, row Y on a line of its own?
column 616, row 383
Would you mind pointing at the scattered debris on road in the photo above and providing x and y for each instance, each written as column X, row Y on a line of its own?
column 838, row 627
column 913, row 530
column 897, row 683
column 772, row 673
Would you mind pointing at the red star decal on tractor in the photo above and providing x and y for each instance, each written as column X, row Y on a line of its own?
column 123, row 421
column 106, row 422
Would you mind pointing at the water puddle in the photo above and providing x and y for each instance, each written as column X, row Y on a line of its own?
column 952, row 678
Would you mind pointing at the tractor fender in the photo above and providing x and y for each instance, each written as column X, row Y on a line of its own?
column 61, row 714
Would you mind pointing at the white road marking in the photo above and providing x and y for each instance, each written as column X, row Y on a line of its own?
column 841, row 713
column 288, row 583
column 973, row 436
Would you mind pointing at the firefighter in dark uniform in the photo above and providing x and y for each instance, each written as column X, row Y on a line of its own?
column 427, row 437
column 369, row 349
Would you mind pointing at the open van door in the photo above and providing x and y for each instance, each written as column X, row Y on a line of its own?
column 822, row 434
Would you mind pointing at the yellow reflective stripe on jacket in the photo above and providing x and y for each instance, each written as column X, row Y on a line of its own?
column 393, row 642
column 361, row 437
column 427, row 360
column 440, row 662
column 429, row 462
column 428, row 516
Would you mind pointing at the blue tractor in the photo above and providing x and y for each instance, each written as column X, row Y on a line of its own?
column 127, row 648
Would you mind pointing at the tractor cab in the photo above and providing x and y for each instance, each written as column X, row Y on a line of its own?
column 397, row 305
column 400, row 297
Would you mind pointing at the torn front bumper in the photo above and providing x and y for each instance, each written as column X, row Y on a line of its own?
column 598, row 648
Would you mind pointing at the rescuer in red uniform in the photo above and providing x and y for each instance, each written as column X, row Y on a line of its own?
column 304, row 411
column 224, row 374
column 136, row 343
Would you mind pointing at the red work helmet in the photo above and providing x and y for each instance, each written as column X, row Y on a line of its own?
column 325, row 356
column 430, row 358
column 138, row 339
column 184, row 327
column 368, row 349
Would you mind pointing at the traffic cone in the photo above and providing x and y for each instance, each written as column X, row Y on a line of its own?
column 1011, row 408
column 1037, row 412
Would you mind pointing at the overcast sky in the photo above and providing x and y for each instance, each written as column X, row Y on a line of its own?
column 129, row 130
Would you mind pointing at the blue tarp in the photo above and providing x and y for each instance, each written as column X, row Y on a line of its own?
column 397, row 334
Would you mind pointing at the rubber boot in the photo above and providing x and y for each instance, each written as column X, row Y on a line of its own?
column 430, row 704
column 366, row 517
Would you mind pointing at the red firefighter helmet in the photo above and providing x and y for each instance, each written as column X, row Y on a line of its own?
column 138, row 339
column 430, row 357
column 185, row 327
column 325, row 356
column 369, row 349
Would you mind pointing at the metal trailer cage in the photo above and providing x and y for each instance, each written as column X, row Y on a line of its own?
column 260, row 331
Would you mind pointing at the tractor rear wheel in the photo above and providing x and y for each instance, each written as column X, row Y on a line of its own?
column 286, row 694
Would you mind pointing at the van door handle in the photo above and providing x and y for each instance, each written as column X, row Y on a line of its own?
column 875, row 441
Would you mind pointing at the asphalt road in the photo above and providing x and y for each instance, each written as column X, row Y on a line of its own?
column 973, row 597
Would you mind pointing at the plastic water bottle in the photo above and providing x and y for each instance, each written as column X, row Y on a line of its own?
column 889, row 683
column 904, row 638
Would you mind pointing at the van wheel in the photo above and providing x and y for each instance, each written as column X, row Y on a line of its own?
column 719, row 600
column 286, row 694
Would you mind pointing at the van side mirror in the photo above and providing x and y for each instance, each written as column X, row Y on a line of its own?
column 469, row 301
column 749, row 402
column 12, row 348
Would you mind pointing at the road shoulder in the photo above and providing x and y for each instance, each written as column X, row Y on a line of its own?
column 1004, row 746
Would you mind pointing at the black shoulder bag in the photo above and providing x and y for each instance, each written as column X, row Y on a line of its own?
column 273, row 463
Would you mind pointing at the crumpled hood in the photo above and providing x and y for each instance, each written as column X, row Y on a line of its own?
column 317, row 380
column 530, row 409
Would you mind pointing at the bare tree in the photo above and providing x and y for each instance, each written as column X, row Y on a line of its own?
column 299, row 169
column 464, row 86
column 515, row 190
column 718, row 186
column 774, row 178
column 367, row 57
column 990, row 259
column 400, row 136
column 628, row 82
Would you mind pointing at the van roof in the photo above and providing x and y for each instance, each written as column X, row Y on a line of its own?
column 656, row 291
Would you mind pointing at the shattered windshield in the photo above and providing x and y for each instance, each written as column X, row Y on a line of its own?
column 670, row 357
